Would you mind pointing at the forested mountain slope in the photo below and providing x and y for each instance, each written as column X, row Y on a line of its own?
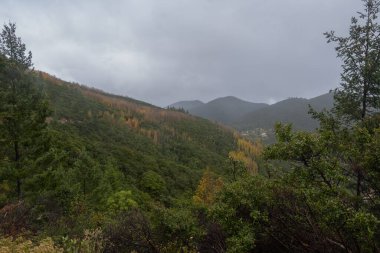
column 111, row 166
column 244, row 115
column 292, row 110
column 138, row 137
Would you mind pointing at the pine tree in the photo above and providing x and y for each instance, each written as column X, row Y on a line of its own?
column 12, row 47
column 359, row 94
column 23, row 108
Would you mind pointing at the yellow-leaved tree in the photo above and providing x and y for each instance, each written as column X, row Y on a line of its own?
column 208, row 187
column 245, row 157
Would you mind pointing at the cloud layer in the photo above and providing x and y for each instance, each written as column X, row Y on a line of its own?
column 162, row 51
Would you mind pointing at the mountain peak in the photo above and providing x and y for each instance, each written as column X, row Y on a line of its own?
column 224, row 109
column 292, row 110
column 187, row 104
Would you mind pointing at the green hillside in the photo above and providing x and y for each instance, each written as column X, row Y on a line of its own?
column 139, row 137
column 101, row 154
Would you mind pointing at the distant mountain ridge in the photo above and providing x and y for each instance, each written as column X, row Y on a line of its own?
column 225, row 110
column 244, row 115
column 292, row 110
column 187, row 105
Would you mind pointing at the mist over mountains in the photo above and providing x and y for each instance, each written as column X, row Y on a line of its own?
column 244, row 115
column 187, row 105
column 225, row 110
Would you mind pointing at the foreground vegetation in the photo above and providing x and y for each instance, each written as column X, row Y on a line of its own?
column 86, row 171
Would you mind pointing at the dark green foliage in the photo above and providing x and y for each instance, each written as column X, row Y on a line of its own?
column 12, row 47
column 178, row 228
column 323, row 198
column 359, row 93
column 132, row 232
column 153, row 183
column 23, row 111
column 331, row 182
column 241, row 210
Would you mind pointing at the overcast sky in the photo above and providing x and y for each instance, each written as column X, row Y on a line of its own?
column 163, row 51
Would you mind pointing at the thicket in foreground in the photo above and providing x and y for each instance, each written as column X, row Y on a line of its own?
column 319, row 192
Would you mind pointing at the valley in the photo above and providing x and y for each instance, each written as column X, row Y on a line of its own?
column 256, row 120
column 90, row 164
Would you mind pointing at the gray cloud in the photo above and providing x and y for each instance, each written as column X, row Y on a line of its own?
column 162, row 51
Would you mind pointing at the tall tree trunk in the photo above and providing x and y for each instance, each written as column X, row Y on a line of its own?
column 359, row 179
column 359, row 183
column 17, row 165
column 18, row 182
column 84, row 186
column 364, row 106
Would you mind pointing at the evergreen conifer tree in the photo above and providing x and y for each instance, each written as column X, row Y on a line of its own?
column 23, row 109
column 359, row 94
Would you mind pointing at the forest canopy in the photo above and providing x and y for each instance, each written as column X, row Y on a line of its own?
column 86, row 171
